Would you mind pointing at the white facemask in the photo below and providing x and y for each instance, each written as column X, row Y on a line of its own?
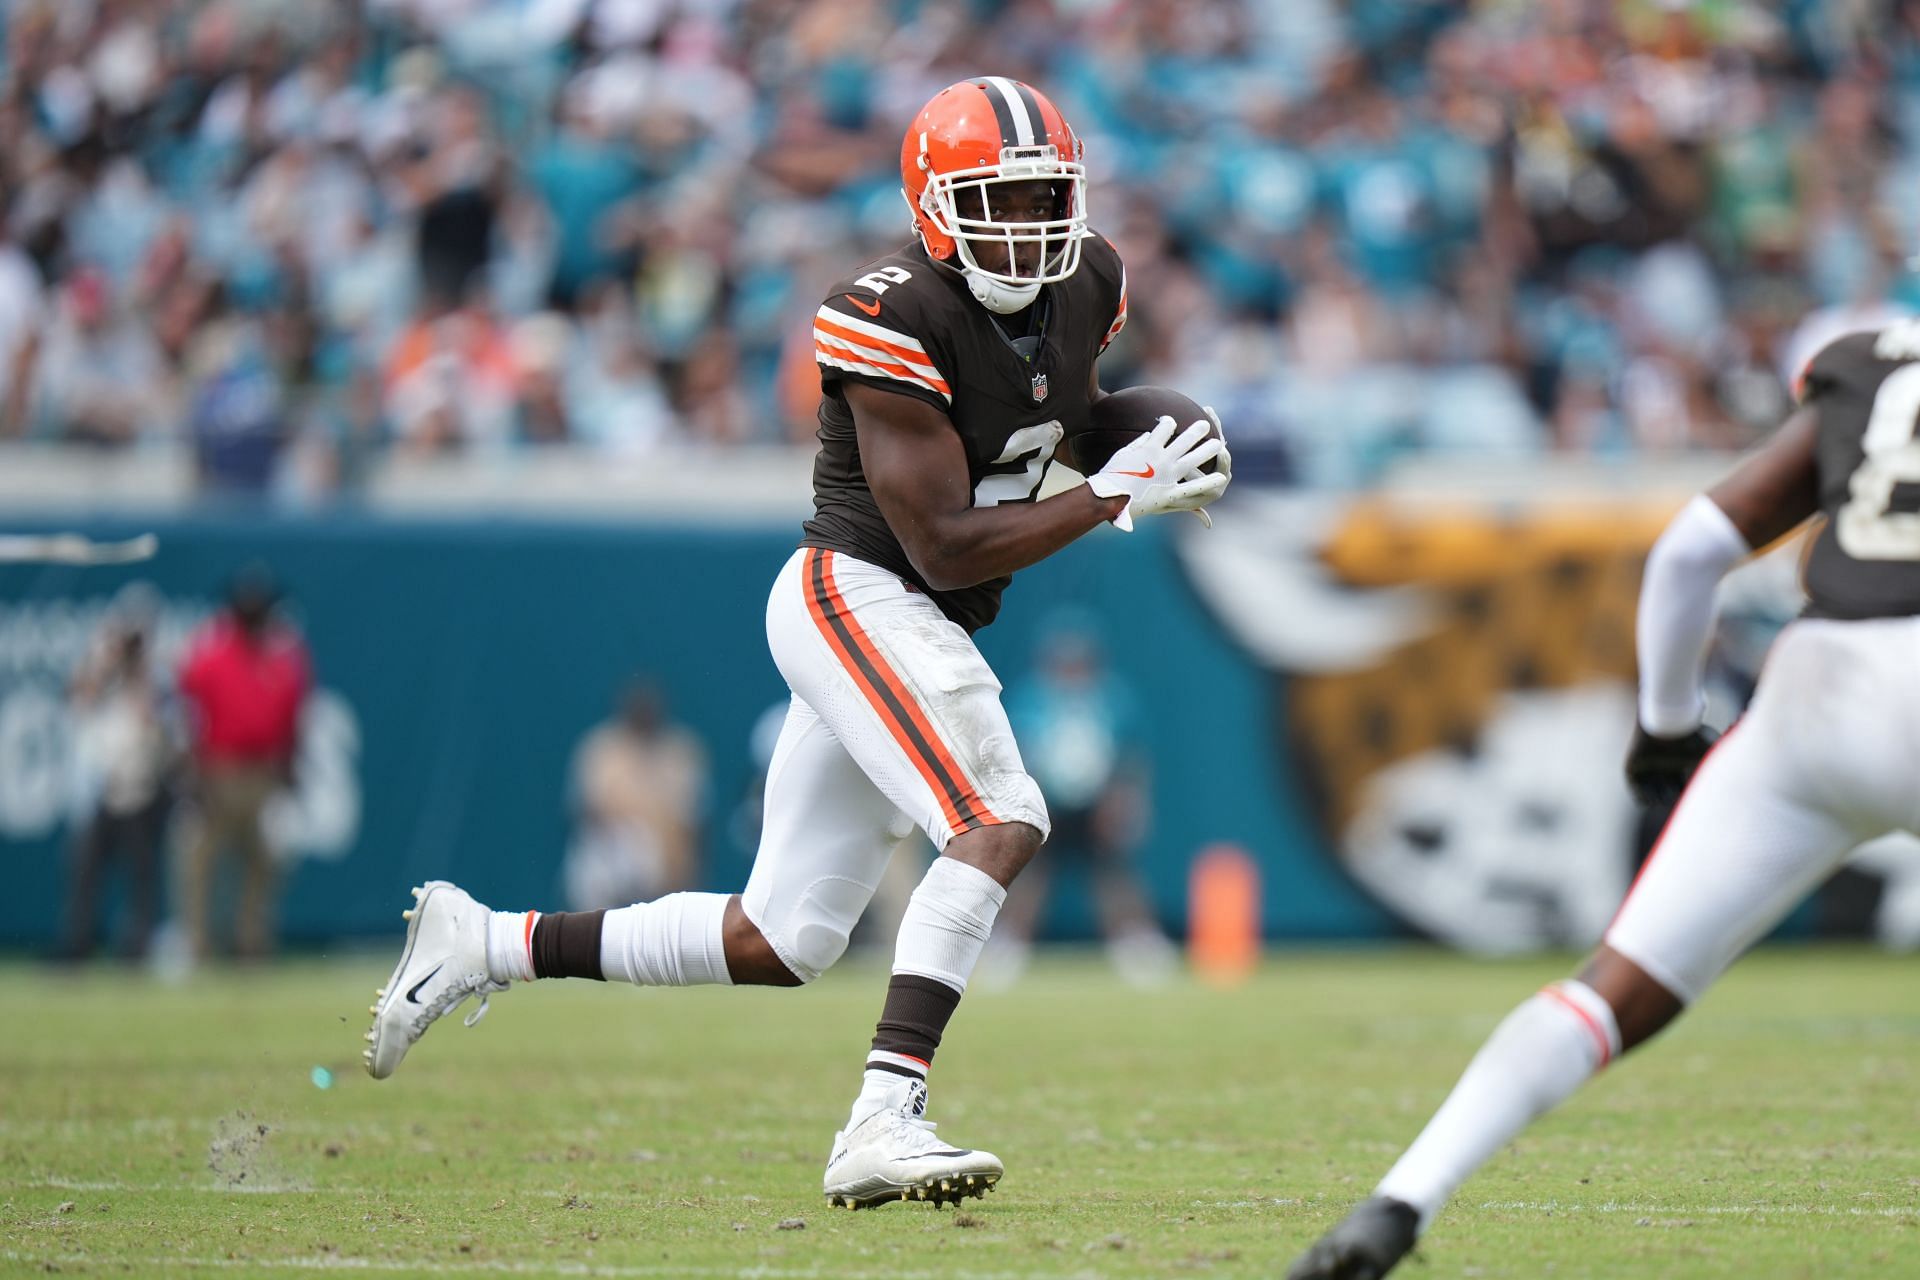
column 1058, row 240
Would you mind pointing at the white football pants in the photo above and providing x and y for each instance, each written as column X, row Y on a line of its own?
column 895, row 723
column 1826, row 758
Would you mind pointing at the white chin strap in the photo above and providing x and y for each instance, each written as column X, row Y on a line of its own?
column 998, row 296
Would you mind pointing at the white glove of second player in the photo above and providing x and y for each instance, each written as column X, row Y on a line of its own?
column 1160, row 472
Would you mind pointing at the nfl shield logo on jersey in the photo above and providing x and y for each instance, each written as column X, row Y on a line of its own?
column 1039, row 387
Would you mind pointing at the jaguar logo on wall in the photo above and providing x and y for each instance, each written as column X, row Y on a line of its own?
column 1454, row 684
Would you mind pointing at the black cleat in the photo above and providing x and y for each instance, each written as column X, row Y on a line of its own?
column 1368, row 1243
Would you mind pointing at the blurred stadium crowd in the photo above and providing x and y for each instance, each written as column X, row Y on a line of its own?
column 300, row 236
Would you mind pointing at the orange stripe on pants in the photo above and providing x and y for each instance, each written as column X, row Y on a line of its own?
column 960, row 803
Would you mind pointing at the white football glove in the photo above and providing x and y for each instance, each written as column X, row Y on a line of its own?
column 1160, row 472
column 1222, row 463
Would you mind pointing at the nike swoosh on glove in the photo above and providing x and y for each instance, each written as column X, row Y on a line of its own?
column 1159, row 472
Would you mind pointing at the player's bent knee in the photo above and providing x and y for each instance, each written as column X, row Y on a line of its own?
column 1002, row 850
column 1642, row 1006
column 816, row 947
column 752, row 959
column 810, row 931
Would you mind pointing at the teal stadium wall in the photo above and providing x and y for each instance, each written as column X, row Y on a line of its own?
column 467, row 658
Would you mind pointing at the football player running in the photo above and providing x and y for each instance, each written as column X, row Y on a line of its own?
column 950, row 371
column 1824, row 759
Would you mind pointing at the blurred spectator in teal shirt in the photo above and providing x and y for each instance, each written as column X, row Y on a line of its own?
column 586, row 174
column 1078, row 728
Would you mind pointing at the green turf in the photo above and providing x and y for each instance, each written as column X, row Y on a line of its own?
column 170, row 1131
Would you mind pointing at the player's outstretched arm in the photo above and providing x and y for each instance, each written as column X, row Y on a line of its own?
column 917, row 469
column 1777, row 486
column 1765, row 497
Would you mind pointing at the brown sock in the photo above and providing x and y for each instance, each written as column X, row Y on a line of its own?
column 911, row 1023
column 566, row 944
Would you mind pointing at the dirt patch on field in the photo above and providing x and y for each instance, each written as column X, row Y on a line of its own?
column 237, row 1153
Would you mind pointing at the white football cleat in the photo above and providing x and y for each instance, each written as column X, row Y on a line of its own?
column 444, row 962
column 892, row 1154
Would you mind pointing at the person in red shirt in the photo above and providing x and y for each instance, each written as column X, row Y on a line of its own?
column 245, row 679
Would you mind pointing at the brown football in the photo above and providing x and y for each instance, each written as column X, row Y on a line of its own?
column 1116, row 419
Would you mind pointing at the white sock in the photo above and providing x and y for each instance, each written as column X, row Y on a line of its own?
column 947, row 923
column 946, row 926
column 1533, row 1061
column 882, row 1089
column 675, row 941
column 509, row 952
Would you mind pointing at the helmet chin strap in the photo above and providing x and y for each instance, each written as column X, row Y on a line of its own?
column 998, row 296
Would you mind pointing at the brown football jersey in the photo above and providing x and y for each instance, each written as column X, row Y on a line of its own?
column 907, row 324
column 1866, row 561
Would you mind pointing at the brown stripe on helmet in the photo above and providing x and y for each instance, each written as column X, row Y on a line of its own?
column 1031, row 101
column 1002, row 112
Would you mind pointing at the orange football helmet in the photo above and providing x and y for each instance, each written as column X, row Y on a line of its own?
column 973, row 137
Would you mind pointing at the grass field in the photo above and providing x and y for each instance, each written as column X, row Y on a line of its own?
column 175, row 1131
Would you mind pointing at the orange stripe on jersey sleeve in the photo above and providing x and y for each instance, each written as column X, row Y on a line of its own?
column 875, row 364
column 1120, row 314
column 825, row 330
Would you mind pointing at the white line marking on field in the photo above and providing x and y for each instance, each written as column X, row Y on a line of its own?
column 1705, row 1210
column 481, row 1266
column 1640, row 1210
column 283, row 1189
column 173, row 1124
column 237, row 1188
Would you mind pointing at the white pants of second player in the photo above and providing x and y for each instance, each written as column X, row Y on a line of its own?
column 896, row 722
column 1826, row 758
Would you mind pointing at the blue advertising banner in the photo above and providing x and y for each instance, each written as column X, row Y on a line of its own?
column 459, row 664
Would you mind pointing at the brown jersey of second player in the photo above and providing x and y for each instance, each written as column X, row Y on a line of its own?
column 1011, row 387
column 1866, row 561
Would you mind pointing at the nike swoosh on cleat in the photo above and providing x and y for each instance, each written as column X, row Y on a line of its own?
column 873, row 310
column 950, row 1151
column 413, row 992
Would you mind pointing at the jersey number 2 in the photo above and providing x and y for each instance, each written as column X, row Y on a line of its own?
column 1866, row 527
column 1030, row 449
column 883, row 279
